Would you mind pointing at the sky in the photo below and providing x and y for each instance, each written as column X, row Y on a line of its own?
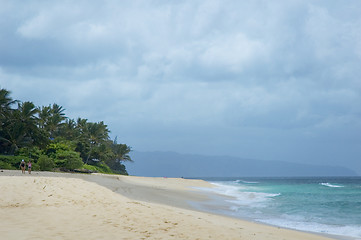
column 272, row 80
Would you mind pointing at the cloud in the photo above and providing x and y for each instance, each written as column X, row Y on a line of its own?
column 232, row 53
column 229, row 71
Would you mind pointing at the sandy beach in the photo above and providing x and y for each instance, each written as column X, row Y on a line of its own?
column 46, row 205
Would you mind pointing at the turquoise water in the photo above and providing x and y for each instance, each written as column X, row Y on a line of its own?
column 321, row 205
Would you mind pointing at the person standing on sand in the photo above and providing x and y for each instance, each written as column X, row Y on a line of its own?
column 29, row 167
column 22, row 166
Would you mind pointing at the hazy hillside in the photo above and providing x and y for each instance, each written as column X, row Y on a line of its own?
column 170, row 164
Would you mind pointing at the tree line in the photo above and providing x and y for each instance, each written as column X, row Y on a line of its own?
column 51, row 140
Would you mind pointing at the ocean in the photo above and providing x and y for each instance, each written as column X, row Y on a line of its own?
column 327, row 205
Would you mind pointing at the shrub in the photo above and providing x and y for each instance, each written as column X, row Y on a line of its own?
column 5, row 165
column 68, row 159
column 54, row 148
column 45, row 163
column 103, row 168
column 91, row 168
column 99, row 167
column 13, row 161
column 32, row 152
column 35, row 167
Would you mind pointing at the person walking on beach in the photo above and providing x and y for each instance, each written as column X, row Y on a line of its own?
column 29, row 167
column 22, row 166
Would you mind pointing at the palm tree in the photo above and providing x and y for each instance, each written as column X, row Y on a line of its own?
column 69, row 130
column 81, row 125
column 44, row 115
column 90, row 137
column 119, row 154
column 97, row 133
column 121, row 151
column 20, row 128
column 5, row 106
column 26, row 113
column 14, row 136
column 51, row 118
column 5, row 101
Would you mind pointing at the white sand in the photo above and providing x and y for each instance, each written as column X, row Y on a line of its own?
column 65, row 206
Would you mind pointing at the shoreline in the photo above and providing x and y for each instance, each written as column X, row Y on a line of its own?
column 149, row 205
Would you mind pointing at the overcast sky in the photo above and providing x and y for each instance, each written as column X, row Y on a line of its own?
column 272, row 80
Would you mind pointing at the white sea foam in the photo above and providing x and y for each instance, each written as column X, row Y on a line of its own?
column 247, row 182
column 331, row 185
column 253, row 199
column 295, row 208
column 242, row 197
column 301, row 224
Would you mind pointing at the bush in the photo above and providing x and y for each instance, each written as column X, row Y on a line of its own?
column 99, row 167
column 30, row 152
column 45, row 163
column 56, row 147
column 11, row 162
column 91, row 168
column 69, row 160
column 103, row 168
column 5, row 165
column 35, row 166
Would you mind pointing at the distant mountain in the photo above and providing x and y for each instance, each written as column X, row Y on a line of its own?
column 171, row 164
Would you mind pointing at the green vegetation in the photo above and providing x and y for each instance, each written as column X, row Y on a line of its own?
column 52, row 141
column 46, row 163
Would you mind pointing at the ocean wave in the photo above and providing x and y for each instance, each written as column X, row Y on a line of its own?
column 263, row 202
column 247, row 182
column 244, row 198
column 253, row 199
column 331, row 185
column 302, row 224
